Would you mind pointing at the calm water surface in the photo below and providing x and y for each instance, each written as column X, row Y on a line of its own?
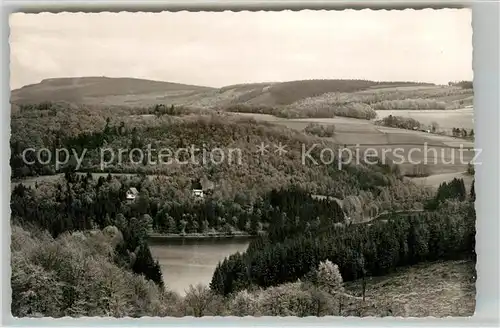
column 185, row 262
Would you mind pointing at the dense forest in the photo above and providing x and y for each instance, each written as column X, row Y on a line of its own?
column 306, row 239
column 294, row 248
column 314, row 226
column 362, row 104
column 83, row 203
column 365, row 189
column 75, row 275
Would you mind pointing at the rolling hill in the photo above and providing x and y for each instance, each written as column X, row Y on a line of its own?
column 272, row 94
column 140, row 92
column 102, row 90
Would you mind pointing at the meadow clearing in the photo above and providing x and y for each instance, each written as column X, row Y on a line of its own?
column 446, row 119
column 446, row 286
column 441, row 155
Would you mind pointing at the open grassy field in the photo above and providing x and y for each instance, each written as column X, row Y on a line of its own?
column 441, row 153
column 437, row 179
column 388, row 87
column 432, row 289
column 446, row 119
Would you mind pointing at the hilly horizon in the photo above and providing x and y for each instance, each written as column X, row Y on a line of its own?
column 94, row 90
column 82, row 90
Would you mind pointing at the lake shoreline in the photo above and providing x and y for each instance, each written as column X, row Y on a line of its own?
column 164, row 237
column 190, row 261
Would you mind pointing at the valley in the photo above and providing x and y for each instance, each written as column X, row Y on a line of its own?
column 282, row 219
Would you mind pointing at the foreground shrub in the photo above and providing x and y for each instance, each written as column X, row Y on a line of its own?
column 200, row 301
column 74, row 275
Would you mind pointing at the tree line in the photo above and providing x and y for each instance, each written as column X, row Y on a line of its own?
column 454, row 189
column 400, row 122
column 462, row 84
column 462, row 133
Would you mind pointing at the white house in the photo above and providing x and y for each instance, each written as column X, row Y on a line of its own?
column 198, row 193
column 132, row 193
column 201, row 187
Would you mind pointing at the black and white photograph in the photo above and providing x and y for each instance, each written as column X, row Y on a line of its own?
column 242, row 163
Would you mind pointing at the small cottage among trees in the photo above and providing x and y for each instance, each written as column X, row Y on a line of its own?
column 201, row 187
column 131, row 193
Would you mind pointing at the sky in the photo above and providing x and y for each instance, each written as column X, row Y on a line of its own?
column 222, row 48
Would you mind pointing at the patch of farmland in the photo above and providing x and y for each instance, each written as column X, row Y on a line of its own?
column 260, row 117
column 459, row 143
column 411, row 139
column 455, row 97
column 342, row 124
column 336, row 120
column 295, row 125
column 392, row 143
column 446, row 119
column 356, row 128
column 382, row 88
column 437, row 179
column 431, row 138
column 354, row 138
column 437, row 160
